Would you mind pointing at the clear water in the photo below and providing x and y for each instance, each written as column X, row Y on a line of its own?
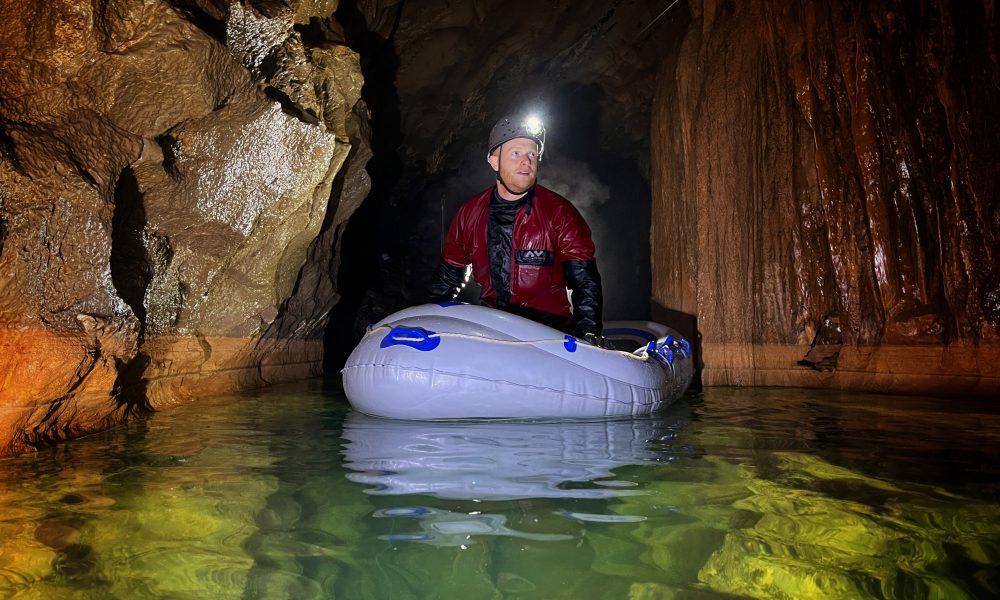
column 733, row 493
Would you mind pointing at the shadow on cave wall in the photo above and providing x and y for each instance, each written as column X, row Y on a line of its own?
column 368, row 232
column 131, row 273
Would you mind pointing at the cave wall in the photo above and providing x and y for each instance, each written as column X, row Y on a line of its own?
column 174, row 182
column 825, row 193
column 176, row 178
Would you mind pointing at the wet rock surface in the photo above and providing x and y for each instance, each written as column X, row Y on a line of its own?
column 830, row 163
column 178, row 178
column 174, row 178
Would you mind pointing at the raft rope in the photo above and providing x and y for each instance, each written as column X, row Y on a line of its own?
column 644, row 350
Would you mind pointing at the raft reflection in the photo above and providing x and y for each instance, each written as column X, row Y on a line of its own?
column 504, row 460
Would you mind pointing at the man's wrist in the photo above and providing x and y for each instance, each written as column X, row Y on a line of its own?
column 595, row 339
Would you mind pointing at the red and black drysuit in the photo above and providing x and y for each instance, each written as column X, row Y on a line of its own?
column 524, row 254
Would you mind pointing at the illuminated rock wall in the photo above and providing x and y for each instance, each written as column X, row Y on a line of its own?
column 176, row 175
column 826, row 193
column 173, row 183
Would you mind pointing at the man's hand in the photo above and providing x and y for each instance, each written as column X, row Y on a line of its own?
column 447, row 283
column 597, row 340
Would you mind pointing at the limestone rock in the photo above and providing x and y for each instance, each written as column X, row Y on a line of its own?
column 817, row 160
column 168, row 174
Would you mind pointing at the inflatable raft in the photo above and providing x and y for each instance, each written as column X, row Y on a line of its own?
column 456, row 361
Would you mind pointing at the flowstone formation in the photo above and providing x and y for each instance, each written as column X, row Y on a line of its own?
column 835, row 170
column 174, row 179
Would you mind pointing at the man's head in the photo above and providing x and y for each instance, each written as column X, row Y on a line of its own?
column 515, row 148
column 509, row 128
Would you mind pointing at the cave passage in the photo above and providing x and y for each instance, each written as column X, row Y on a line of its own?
column 594, row 156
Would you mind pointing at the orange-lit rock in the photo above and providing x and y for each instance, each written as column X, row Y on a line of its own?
column 834, row 162
column 173, row 180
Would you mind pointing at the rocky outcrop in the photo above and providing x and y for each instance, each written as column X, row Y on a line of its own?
column 174, row 179
column 832, row 169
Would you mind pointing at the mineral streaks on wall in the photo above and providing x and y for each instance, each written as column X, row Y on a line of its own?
column 168, row 177
column 831, row 171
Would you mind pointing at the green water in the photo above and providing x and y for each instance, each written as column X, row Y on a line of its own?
column 732, row 493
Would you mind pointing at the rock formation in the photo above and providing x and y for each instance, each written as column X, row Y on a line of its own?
column 174, row 180
column 834, row 167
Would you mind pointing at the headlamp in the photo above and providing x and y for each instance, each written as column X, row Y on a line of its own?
column 508, row 128
column 533, row 125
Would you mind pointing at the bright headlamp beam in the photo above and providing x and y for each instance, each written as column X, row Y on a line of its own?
column 533, row 125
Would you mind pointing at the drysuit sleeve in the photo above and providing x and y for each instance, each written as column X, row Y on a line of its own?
column 449, row 278
column 576, row 251
column 584, row 280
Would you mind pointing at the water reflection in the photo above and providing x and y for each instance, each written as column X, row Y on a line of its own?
column 740, row 493
column 449, row 528
column 502, row 460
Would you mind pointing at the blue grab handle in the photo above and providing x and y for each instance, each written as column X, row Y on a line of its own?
column 681, row 346
column 414, row 337
column 662, row 352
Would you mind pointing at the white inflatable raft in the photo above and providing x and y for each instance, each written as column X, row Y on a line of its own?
column 456, row 361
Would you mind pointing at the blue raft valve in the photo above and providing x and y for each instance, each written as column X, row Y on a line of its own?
column 414, row 337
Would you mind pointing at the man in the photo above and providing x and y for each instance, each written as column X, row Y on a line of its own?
column 526, row 243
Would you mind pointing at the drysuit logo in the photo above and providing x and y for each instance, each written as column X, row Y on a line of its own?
column 534, row 258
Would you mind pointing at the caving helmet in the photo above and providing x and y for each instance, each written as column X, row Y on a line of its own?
column 509, row 128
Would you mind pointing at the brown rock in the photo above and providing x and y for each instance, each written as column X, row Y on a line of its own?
column 813, row 160
column 163, row 194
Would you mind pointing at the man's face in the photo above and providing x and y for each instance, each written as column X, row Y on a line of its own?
column 517, row 161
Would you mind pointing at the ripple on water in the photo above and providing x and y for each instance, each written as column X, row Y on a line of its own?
column 265, row 582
